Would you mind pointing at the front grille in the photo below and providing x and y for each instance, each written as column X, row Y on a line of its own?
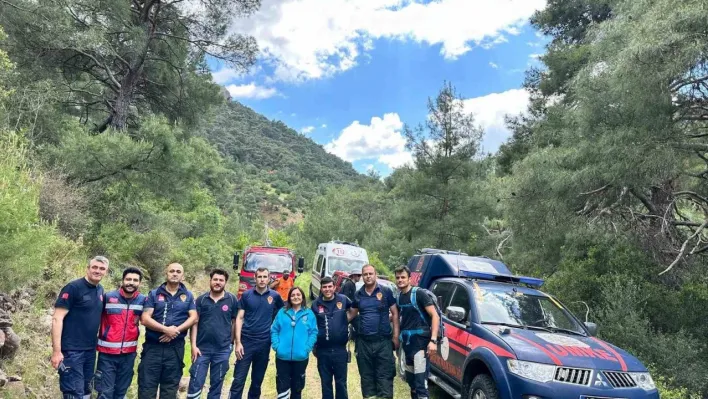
column 572, row 375
column 619, row 379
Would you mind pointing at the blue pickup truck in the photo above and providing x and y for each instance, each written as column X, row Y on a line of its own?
column 505, row 339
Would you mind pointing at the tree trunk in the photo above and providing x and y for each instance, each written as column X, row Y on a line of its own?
column 120, row 111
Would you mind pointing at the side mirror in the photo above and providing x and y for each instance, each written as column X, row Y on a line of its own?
column 592, row 328
column 300, row 265
column 236, row 257
column 455, row 313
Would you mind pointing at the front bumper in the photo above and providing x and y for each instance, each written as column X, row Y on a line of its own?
column 522, row 388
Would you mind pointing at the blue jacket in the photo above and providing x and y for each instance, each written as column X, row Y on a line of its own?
column 293, row 342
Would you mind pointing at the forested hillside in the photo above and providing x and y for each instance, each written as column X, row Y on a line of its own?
column 115, row 140
column 295, row 167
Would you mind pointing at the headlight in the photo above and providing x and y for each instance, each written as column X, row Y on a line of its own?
column 533, row 371
column 643, row 381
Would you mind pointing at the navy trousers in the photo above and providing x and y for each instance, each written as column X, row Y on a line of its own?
column 76, row 373
column 332, row 364
column 114, row 374
column 417, row 366
column 256, row 353
column 218, row 362
column 160, row 368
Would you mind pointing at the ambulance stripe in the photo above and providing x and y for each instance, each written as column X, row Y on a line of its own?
column 614, row 352
column 552, row 356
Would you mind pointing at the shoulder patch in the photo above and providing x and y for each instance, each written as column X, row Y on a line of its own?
column 65, row 295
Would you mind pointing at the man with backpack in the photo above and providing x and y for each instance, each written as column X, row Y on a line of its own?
column 420, row 327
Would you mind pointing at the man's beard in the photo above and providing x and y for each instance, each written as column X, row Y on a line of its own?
column 219, row 290
column 129, row 288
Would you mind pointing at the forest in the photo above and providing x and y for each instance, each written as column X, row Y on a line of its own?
column 115, row 140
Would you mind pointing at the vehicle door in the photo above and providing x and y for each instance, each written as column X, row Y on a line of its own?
column 443, row 291
column 317, row 276
column 456, row 316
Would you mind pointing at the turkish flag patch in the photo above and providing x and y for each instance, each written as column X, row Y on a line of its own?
column 113, row 300
column 161, row 298
column 65, row 295
column 322, row 309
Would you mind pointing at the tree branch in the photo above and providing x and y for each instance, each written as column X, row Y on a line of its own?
column 681, row 253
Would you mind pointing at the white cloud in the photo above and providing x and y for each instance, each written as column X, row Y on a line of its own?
column 251, row 90
column 489, row 112
column 225, row 75
column 337, row 32
column 493, row 65
column 381, row 140
column 324, row 126
column 307, row 129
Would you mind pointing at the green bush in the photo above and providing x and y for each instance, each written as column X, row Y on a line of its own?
column 26, row 239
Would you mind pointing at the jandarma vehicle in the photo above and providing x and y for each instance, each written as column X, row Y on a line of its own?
column 504, row 338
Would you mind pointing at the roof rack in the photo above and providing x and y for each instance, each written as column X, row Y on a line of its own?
column 430, row 251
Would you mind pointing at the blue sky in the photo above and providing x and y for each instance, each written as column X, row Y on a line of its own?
column 350, row 73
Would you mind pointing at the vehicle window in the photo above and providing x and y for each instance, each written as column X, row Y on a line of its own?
column 508, row 306
column 461, row 299
column 444, row 290
column 273, row 262
column 318, row 267
column 344, row 264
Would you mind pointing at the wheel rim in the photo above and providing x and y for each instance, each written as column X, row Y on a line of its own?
column 479, row 394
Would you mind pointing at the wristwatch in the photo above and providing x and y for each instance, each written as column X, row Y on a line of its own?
column 435, row 341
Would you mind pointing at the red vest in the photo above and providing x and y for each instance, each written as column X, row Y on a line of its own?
column 119, row 330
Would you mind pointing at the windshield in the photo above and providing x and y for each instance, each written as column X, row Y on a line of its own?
column 344, row 264
column 505, row 306
column 274, row 262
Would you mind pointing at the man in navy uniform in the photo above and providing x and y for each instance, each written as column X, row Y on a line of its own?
column 376, row 339
column 257, row 308
column 168, row 313
column 333, row 317
column 211, row 337
column 75, row 323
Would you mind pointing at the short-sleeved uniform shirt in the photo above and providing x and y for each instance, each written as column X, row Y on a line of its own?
column 169, row 310
column 214, row 326
column 373, row 311
column 332, row 323
column 259, row 311
column 85, row 304
column 410, row 318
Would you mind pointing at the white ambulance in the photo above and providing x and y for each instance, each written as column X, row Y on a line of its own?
column 335, row 256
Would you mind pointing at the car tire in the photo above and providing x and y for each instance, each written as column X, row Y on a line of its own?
column 401, row 363
column 482, row 387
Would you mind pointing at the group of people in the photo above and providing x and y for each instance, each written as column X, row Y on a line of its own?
column 88, row 320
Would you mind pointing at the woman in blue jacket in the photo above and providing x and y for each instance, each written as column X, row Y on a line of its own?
column 293, row 335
